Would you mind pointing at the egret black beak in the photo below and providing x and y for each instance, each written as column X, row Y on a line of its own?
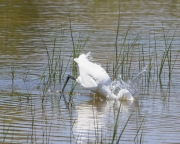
column 67, row 79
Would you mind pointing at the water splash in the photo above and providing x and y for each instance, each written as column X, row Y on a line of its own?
column 133, row 85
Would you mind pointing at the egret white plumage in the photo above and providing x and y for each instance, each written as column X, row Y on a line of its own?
column 93, row 77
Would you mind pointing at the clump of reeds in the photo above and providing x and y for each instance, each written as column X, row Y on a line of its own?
column 123, row 59
column 167, row 55
column 55, row 69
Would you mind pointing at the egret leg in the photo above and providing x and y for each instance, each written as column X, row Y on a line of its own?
column 67, row 79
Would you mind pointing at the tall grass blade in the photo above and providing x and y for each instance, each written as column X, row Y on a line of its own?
column 124, row 128
column 116, row 125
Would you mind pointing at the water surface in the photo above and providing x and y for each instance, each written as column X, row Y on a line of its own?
column 28, row 30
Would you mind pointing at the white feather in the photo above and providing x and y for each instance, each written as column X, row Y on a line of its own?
column 93, row 77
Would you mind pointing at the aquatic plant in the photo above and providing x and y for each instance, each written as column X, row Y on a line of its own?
column 13, row 70
column 167, row 54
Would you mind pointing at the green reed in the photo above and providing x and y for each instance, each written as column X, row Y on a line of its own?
column 117, row 35
column 116, row 125
column 78, row 46
column 122, row 63
column 55, row 66
column 167, row 55
column 52, row 63
column 124, row 53
column 13, row 70
column 141, row 125
column 124, row 128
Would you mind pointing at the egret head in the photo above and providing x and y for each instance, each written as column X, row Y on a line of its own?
column 82, row 57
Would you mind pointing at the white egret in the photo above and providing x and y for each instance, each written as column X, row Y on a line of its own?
column 93, row 77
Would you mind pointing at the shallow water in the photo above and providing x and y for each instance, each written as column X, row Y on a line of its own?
column 27, row 28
